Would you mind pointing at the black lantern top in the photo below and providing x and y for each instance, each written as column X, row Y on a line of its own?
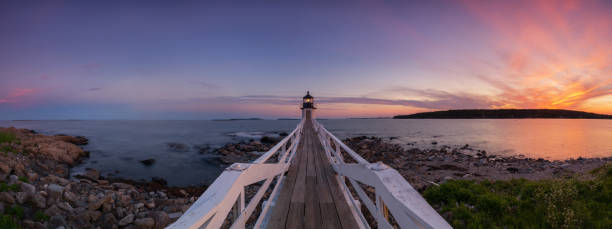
column 308, row 101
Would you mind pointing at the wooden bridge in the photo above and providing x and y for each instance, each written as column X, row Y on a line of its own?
column 310, row 180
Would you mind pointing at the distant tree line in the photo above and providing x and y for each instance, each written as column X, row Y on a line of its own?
column 504, row 114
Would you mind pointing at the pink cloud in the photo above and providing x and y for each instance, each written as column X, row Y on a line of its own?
column 17, row 94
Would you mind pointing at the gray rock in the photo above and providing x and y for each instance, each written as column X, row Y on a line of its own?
column 1, row 208
column 13, row 179
column 123, row 186
column 7, row 198
column 175, row 215
column 94, row 215
column 33, row 225
column 55, row 191
column 123, row 200
column 109, row 221
column 28, row 188
column 57, row 221
column 142, row 215
column 92, row 174
column 65, row 206
column 70, row 197
column 21, row 197
column 53, row 210
column 96, row 205
column 120, row 212
column 144, row 223
column 126, row 220
column 39, row 200
column 150, row 204
column 138, row 205
column 161, row 219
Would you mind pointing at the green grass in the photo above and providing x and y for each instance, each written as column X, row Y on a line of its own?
column 15, row 210
column 563, row 203
column 40, row 216
column 24, row 179
column 5, row 187
column 7, row 137
column 8, row 222
column 7, row 149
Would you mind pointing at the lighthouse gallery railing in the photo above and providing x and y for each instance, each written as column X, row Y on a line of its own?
column 392, row 192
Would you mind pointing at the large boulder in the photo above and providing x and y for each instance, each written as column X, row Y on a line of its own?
column 78, row 140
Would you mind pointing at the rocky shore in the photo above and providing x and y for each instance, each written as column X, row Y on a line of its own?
column 423, row 168
column 38, row 191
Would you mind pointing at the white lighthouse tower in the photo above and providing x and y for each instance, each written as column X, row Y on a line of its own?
column 308, row 106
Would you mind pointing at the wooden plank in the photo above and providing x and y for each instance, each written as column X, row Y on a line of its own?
column 311, row 197
column 342, row 207
column 329, row 216
column 280, row 210
column 295, row 216
column 312, row 212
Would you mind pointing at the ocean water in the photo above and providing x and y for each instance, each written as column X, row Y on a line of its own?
column 117, row 146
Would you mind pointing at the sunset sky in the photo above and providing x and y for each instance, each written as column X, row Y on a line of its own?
column 190, row 60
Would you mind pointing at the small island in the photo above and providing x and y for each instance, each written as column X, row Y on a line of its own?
column 504, row 114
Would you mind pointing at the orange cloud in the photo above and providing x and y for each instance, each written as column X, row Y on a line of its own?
column 555, row 55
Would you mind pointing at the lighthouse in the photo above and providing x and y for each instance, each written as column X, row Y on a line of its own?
column 308, row 106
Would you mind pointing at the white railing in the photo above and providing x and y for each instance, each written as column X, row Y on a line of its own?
column 227, row 192
column 392, row 192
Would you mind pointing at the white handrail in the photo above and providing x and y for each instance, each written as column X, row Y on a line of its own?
column 227, row 191
column 392, row 191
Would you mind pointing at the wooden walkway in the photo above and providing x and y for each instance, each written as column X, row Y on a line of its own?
column 311, row 195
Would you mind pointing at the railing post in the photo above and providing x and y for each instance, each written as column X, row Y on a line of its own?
column 237, row 209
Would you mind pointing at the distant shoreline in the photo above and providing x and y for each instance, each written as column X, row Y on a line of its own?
column 505, row 114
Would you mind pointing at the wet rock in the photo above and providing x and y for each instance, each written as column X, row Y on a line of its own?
column 78, row 140
column 122, row 186
column 269, row 140
column 1, row 208
column 92, row 174
column 177, row 147
column 512, row 170
column 148, row 162
column 159, row 180
column 144, row 223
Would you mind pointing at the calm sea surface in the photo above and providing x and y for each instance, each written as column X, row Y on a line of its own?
column 117, row 146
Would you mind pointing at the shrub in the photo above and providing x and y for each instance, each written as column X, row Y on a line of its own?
column 7, row 137
column 519, row 203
